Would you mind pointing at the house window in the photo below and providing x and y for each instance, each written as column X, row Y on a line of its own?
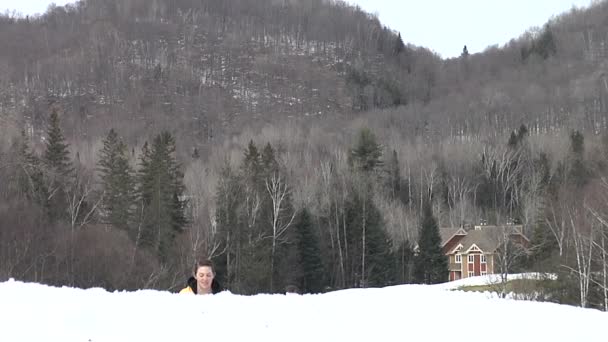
column 471, row 258
column 458, row 258
column 483, row 259
column 471, row 274
column 483, row 273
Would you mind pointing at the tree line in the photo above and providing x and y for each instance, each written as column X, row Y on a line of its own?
column 298, row 211
column 259, row 237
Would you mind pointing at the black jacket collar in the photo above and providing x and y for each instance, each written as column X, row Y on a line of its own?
column 215, row 285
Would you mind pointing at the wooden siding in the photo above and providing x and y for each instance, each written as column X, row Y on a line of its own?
column 477, row 264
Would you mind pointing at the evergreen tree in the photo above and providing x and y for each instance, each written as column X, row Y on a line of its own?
column 381, row 267
column 513, row 140
column 404, row 263
column 370, row 258
column 58, row 169
column 276, row 214
column 269, row 163
column 542, row 247
column 196, row 154
column 161, row 203
column 56, row 155
column 486, row 192
column 228, row 201
column 117, row 182
column 545, row 45
column 522, row 132
column 29, row 177
column 517, row 137
column 397, row 187
column 579, row 173
column 543, row 166
column 312, row 276
column 398, row 46
column 367, row 153
column 465, row 52
column 251, row 166
column 255, row 212
column 431, row 265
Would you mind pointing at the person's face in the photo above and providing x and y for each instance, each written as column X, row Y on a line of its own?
column 204, row 277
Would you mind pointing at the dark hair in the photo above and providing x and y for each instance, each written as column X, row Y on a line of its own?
column 202, row 263
column 292, row 289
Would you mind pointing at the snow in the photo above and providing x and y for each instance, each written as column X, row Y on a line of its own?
column 490, row 279
column 35, row 312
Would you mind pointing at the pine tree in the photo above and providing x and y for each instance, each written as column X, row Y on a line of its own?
column 465, row 52
column 312, row 277
column 196, row 154
column 579, row 172
column 431, row 265
column 229, row 230
column 58, row 169
column 513, row 140
column 269, row 163
column 367, row 153
column 256, row 214
column 30, row 177
column 404, row 263
column 545, row 44
column 542, row 246
column 397, row 187
column 117, row 182
column 56, row 155
column 398, row 45
column 251, row 167
column 22, row 177
column 370, row 258
column 517, row 137
column 161, row 203
column 380, row 259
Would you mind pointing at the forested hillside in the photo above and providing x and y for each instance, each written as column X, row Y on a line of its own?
column 205, row 68
column 293, row 142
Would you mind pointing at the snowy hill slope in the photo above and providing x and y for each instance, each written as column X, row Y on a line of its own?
column 34, row 312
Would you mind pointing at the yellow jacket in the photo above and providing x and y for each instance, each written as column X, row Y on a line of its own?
column 187, row 289
column 191, row 288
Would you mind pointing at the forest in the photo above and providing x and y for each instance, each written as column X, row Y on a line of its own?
column 293, row 143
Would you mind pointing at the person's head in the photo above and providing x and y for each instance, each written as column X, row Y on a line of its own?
column 292, row 289
column 204, row 274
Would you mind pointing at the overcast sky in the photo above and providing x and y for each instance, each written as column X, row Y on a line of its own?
column 443, row 26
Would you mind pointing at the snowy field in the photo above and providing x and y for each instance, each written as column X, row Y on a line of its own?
column 37, row 313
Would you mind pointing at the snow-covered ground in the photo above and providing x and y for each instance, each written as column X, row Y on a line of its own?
column 39, row 313
column 490, row 279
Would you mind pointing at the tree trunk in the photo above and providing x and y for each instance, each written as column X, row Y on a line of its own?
column 604, row 271
column 363, row 279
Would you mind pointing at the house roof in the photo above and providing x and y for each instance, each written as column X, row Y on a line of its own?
column 486, row 238
column 447, row 233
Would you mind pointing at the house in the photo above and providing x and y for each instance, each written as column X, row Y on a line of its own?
column 478, row 251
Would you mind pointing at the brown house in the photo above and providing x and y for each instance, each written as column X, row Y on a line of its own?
column 475, row 252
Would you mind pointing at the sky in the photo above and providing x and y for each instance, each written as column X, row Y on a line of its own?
column 446, row 26
column 443, row 26
column 30, row 6
column 32, row 312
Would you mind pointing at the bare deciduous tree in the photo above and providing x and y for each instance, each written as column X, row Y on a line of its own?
column 282, row 214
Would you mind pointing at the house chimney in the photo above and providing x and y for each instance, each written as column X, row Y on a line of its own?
column 482, row 222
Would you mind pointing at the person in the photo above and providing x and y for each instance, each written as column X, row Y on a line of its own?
column 292, row 289
column 203, row 281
